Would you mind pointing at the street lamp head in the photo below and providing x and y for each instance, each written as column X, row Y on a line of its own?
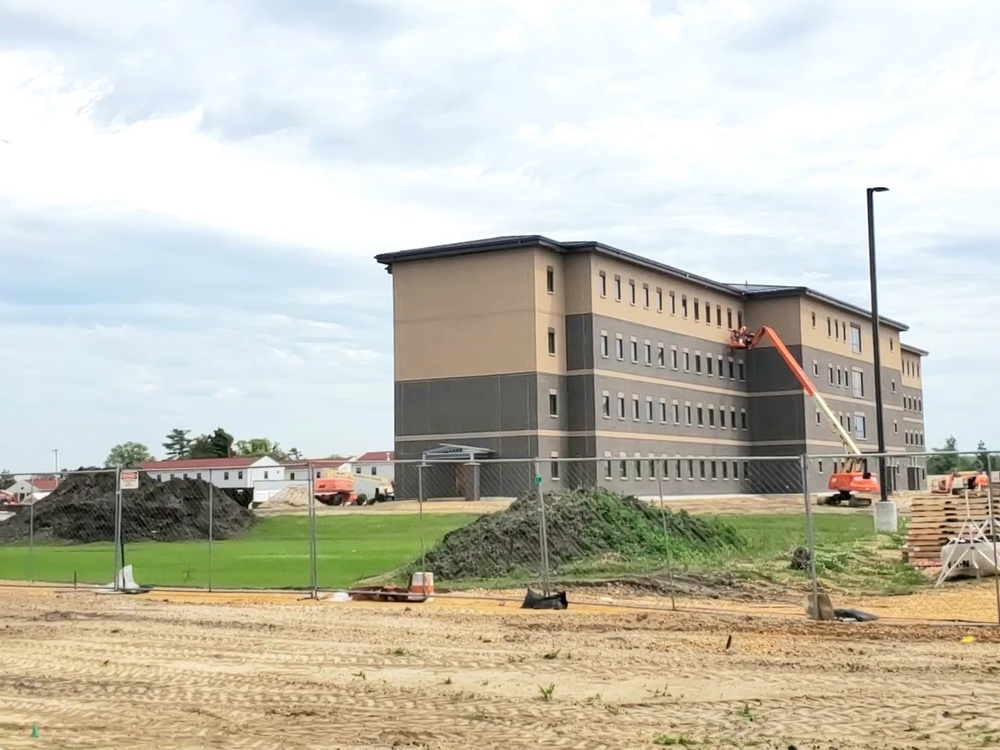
column 878, row 190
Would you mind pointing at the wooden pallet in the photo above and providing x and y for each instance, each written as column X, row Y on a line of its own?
column 937, row 519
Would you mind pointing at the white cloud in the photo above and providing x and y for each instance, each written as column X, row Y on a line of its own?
column 191, row 193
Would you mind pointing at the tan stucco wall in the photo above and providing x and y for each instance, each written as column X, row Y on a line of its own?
column 817, row 338
column 466, row 316
column 912, row 376
column 623, row 309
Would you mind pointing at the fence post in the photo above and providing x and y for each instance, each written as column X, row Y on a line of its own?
column 666, row 535
column 993, row 530
column 313, row 552
column 211, row 525
column 420, row 515
column 810, row 536
column 119, row 541
column 31, row 542
column 543, row 534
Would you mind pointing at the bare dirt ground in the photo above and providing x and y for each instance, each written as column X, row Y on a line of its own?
column 757, row 504
column 268, row 671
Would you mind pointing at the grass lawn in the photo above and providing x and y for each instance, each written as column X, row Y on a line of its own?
column 275, row 554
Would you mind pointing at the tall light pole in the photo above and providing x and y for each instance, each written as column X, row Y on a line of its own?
column 877, row 351
column 56, row 452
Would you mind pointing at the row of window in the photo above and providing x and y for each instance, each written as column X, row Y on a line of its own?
column 653, row 298
column 712, row 366
column 680, row 468
column 913, row 438
column 225, row 475
column 913, row 403
column 687, row 413
column 911, row 368
column 837, row 329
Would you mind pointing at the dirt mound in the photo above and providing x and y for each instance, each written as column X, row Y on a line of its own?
column 82, row 509
column 290, row 497
column 582, row 526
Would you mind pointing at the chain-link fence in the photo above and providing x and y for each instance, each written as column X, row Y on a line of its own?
column 736, row 532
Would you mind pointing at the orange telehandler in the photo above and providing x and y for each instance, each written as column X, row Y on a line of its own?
column 973, row 481
column 853, row 475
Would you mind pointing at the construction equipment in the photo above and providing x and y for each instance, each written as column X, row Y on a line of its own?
column 853, row 475
column 335, row 490
column 974, row 481
column 344, row 488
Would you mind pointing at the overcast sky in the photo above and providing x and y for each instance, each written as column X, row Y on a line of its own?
column 191, row 192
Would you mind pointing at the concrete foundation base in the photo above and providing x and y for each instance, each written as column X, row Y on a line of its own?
column 886, row 517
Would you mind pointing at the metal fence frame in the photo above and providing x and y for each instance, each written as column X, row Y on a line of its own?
column 804, row 463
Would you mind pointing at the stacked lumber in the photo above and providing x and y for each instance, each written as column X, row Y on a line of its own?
column 937, row 519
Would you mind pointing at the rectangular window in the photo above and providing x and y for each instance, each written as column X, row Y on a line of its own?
column 645, row 296
column 660, row 355
column 552, row 341
column 840, row 379
column 715, row 474
column 652, row 468
column 687, row 414
column 684, row 305
column 687, row 361
column 718, row 316
column 701, row 468
column 638, row 469
column 831, row 374
column 659, row 299
column 729, row 318
column 635, row 408
column 673, row 304
column 673, row 358
column 553, row 404
column 634, row 350
column 855, row 338
column 225, row 475
column 690, row 469
column 820, row 462
column 743, row 419
column 677, row 412
column 858, row 383
column 631, row 291
column 813, row 320
column 603, row 277
column 677, row 469
column 697, row 362
column 619, row 347
column 648, row 352
column 819, row 417
column 743, row 373
column 621, row 406
column 895, row 427
column 239, row 475
column 739, row 318
column 701, row 416
column 550, row 279
column 732, row 417
column 732, row 369
column 606, row 405
column 554, row 465
column 709, row 366
column 663, row 412
column 829, row 327
column 711, row 416
column 859, row 426
column 836, row 329
column 815, row 368
column 604, row 344
column 720, row 365
column 649, row 409
column 697, row 309
column 618, row 287
column 607, row 469
column 623, row 469
column 892, row 385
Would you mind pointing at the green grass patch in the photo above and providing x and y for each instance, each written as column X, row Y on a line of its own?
column 273, row 554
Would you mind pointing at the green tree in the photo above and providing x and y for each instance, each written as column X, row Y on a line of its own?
column 295, row 454
column 260, row 447
column 217, row 444
column 127, row 456
column 178, row 444
column 947, row 459
column 6, row 479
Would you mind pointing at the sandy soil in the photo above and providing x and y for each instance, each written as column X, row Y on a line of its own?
column 267, row 671
column 758, row 504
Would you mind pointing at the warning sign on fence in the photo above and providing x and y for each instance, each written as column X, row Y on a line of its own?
column 130, row 480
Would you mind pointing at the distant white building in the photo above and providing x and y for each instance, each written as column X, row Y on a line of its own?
column 373, row 463
column 299, row 470
column 33, row 488
column 226, row 473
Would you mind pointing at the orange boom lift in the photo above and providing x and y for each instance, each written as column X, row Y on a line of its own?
column 854, row 475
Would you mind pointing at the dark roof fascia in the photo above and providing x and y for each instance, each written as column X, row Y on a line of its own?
column 804, row 291
column 517, row 242
column 913, row 349
column 564, row 248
